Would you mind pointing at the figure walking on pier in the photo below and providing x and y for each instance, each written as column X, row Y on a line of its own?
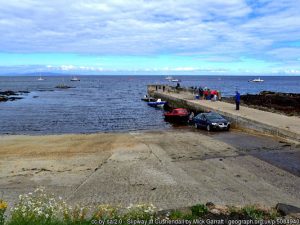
column 237, row 100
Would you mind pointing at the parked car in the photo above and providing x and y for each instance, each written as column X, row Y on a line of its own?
column 177, row 115
column 211, row 121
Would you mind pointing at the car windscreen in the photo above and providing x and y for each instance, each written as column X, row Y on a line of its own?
column 214, row 116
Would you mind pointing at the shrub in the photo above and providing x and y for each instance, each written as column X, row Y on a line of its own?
column 176, row 214
column 199, row 210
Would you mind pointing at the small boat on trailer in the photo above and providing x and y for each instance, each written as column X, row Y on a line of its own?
column 177, row 115
column 158, row 103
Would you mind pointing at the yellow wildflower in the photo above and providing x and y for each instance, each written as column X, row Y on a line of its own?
column 3, row 204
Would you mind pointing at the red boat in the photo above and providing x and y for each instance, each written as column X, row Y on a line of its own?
column 178, row 115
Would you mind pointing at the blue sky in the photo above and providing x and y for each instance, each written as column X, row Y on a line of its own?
column 150, row 37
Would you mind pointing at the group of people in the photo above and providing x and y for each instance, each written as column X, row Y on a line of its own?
column 214, row 95
column 207, row 94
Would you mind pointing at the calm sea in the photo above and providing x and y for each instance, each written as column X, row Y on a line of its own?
column 105, row 103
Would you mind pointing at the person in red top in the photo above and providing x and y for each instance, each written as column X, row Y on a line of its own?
column 213, row 92
column 214, row 95
column 205, row 94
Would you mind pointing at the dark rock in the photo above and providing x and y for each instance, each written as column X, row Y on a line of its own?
column 11, row 95
column 285, row 209
column 3, row 99
column 14, row 98
column 287, row 103
column 8, row 93
column 210, row 205
column 63, row 86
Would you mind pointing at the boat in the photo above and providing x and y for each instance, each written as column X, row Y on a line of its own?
column 75, row 79
column 176, row 80
column 177, row 115
column 169, row 78
column 40, row 78
column 257, row 80
column 158, row 103
column 147, row 98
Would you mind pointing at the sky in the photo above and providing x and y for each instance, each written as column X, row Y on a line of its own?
column 219, row 37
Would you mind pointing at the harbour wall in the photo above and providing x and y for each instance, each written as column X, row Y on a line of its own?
column 185, row 98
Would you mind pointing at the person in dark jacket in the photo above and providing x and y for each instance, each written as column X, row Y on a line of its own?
column 237, row 100
column 200, row 91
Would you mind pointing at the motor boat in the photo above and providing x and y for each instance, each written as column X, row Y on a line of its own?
column 148, row 98
column 75, row 79
column 176, row 80
column 177, row 115
column 257, row 80
column 158, row 103
column 169, row 78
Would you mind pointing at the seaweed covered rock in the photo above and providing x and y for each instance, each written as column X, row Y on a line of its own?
column 10, row 95
column 288, row 103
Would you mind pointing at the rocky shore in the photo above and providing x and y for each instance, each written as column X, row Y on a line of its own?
column 11, row 95
column 286, row 103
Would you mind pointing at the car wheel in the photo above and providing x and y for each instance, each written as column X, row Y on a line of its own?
column 196, row 126
column 208, row 127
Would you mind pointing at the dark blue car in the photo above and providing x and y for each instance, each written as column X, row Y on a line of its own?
column 211, row 121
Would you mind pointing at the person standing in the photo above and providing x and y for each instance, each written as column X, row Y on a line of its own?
column 200, row 91
column 237, row 100
column 191, row 117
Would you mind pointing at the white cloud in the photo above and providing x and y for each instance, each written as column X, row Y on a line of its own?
column 185, row 69
column 218, row 29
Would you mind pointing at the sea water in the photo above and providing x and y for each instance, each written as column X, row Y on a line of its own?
column 106, row 103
